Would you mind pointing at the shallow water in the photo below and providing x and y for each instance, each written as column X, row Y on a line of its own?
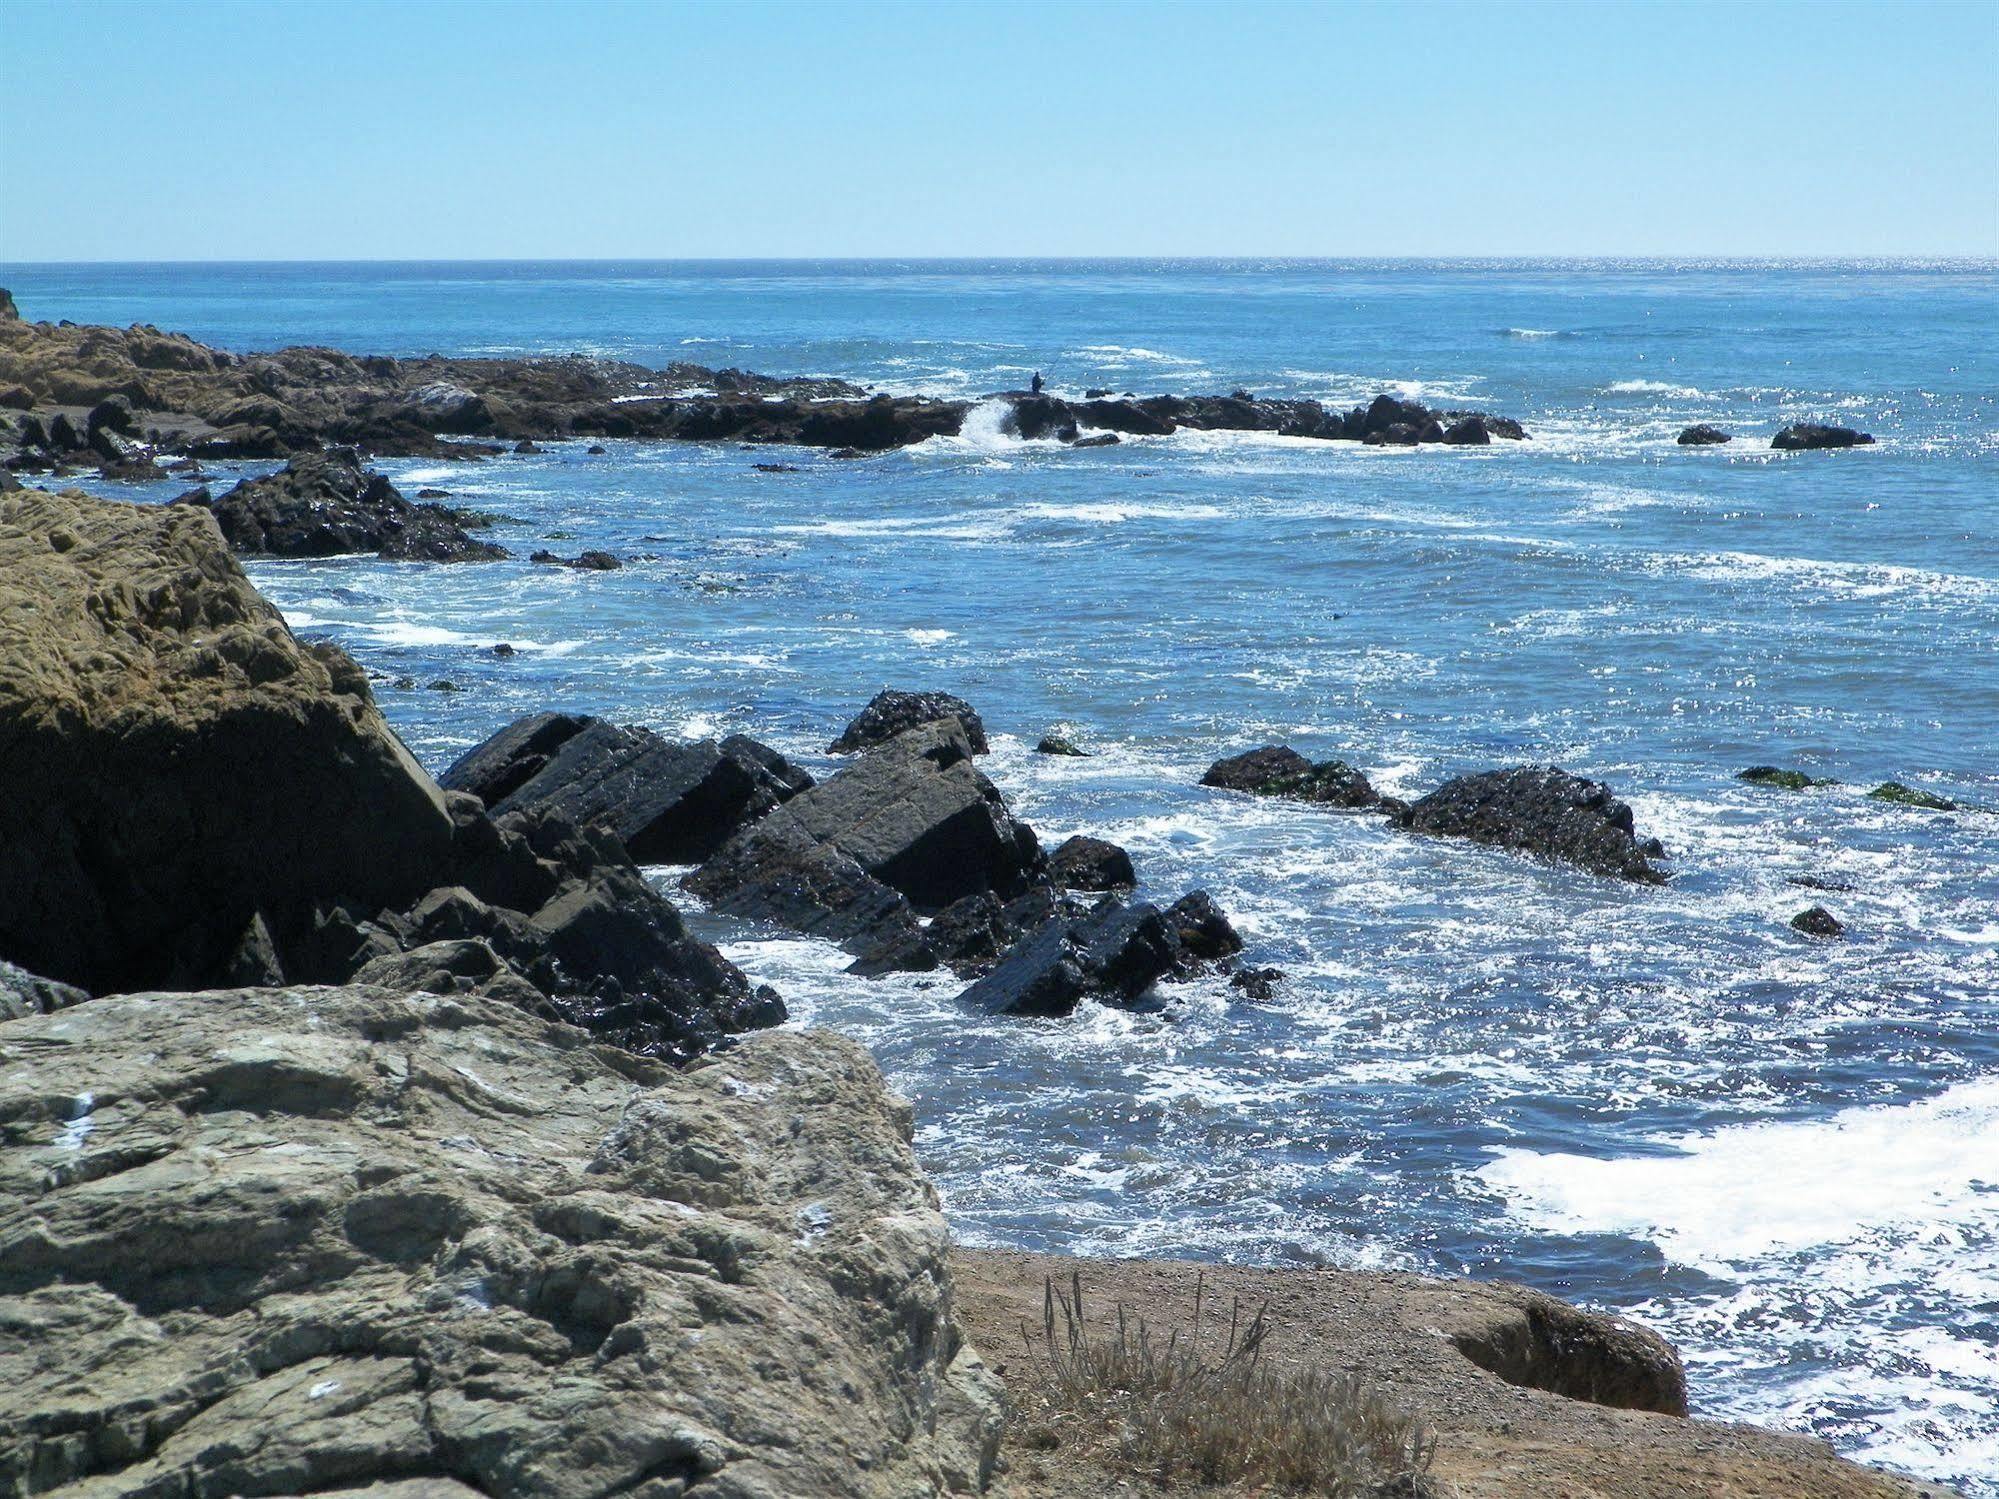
column 1783, row 1154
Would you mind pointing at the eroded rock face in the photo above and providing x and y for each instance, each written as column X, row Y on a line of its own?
column 1543, row 811
column 287, row 1241
column 890, row 713
column 669, row 803
column 175, row 761
column 327, row 504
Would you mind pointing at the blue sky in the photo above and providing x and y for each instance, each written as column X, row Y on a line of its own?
column 356, row 129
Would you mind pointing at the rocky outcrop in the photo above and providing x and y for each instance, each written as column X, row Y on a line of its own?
column 1801, row 435
column 586, row 562
column 176, row 762
column 1911, row 796
column 1280, row 771
column 1701, row 435
column 912, row 816
column 1056, row 744
column 291, row 1241
column 186, row 396
column 326, row 505
column 1114, row 954
column 197, row 799
column 1544, row 811
column 890, row 713
column 669, row 803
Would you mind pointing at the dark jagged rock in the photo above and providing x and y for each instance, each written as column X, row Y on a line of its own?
column 1055, row 744
column 1114, row 953
column 1819, row 882
column 918, row 816
column 1804, row 435
column 1782, row 779
column 1911, row 796
column 968, row 936
column 776, row 871
column 1086, row 863
column 891, row 712
column 669, row 803
column 1278, row 770
column 589, row 562
column 1470, row 431
column 1701, row 435
column 1257, row 984
column 1544, row 811
column 1039, row 416
column 910, row 826
column 1817, row 921
column 326, row 504
column 1098, row 440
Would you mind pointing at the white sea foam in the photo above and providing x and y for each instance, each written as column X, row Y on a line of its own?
column 1652, row 388
column 1747, row 1191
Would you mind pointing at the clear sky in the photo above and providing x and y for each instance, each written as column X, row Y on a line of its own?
column 357, row 129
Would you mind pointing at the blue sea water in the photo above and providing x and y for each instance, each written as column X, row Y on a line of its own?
column 1783, row 1154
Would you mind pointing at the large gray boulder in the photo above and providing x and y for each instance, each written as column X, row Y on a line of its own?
column 292, row 1241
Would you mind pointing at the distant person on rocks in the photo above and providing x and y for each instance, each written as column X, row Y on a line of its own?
column 1035, row 384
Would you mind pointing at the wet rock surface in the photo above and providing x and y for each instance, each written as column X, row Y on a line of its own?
column 1280, row 771
column 1544, row 811
column 306, row 1240
column 1702, row 435
column 1805, row 435
column 669, row 803
column 1114, row 953
column 891, row 712
column 326, row 505
column 1086, row 863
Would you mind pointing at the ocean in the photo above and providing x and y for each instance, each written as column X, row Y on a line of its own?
column 1783, row 1154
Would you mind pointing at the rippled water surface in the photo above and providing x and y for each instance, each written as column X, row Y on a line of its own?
column 1784, row 1154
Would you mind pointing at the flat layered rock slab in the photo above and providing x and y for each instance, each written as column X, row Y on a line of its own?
column 305, row 1240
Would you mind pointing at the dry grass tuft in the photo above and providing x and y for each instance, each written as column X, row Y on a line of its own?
column 1205, row 1410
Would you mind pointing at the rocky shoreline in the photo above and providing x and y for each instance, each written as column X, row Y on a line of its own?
column 374, row 1133
column 123, row 401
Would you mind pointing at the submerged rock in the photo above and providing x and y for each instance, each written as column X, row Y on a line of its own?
column 890, row 713
column 326, row 504
column 1055, row 744
column 1782, row 779
column 1701, row 435
column 1911, row 796
column 669, row 803
column 1544, row 811
column 1801, row 435
column 362, row 1241
column 1280, row 771
column 1817, row 921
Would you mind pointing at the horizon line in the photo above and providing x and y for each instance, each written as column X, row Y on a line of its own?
column 1774, row 259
